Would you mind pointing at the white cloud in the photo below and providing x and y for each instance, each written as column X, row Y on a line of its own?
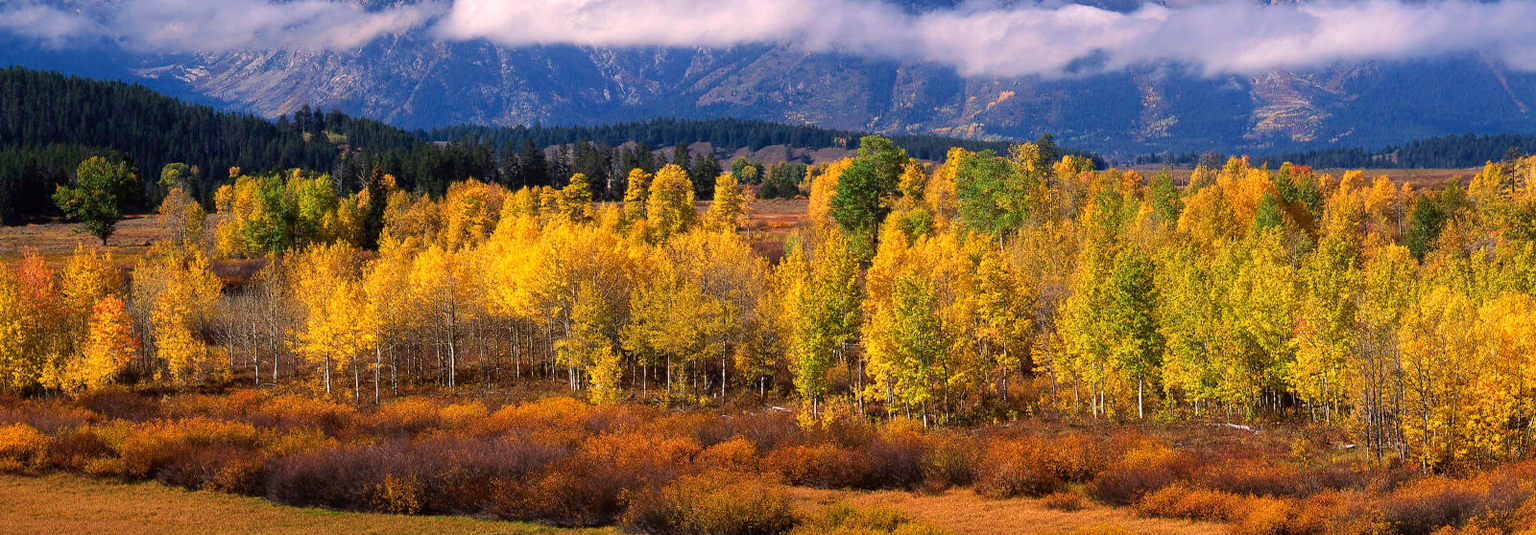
column 982, row 39
column 51, row 25
column 190, row 26
column 1028, row 38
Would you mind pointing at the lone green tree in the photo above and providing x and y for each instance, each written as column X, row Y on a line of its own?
column 102, row 189
column 867, row 190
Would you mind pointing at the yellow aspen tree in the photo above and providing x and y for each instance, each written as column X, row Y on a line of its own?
column 589, row 347
column 1004, row 311
column 823, row 188
column 88, row 276
column 636, row 190
column 825, row 315
column 339, row 326
column 1136, row 343
column 1191, row 325
column 470, row 210
column 109, row 347
column 18, row 369
column 1437, row 343
column 574, row 201
column 726, row 212
column 1326, row 332
column 1086, row 353
column 441, row 281
column 386, row 289
column 669, row 204
column 176, row 292
column 1387, row 285
column 182, row 219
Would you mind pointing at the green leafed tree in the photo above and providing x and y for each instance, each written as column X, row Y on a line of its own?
column 101, row 192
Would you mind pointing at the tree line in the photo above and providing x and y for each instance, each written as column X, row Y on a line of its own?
column 1444, row 152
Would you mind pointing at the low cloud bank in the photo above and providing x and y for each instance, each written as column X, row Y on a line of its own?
column 977, row 39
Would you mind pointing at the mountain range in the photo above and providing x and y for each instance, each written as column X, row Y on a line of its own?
column 416, row 81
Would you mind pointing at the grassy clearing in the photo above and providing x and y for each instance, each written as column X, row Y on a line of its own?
column 963, row 512
column 62, row 504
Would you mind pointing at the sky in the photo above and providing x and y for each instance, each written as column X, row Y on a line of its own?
column 980, row 38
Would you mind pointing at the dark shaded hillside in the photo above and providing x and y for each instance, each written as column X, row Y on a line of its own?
column 49, row 122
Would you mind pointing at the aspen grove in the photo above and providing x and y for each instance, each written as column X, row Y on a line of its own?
column 982, row 288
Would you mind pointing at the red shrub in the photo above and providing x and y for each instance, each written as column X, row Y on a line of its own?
column 47, row 417
column 1142, row 470
column 1037, row 466
column 951, row 461
column 1257, row 477
column 591, row 487
column 896, row 459
column 294, row 412
column 820, row 465
column 76, row 449
column 120, row 403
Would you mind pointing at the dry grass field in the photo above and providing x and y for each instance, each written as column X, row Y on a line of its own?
column 62, row 504
column 55, row 241
column 963, row 512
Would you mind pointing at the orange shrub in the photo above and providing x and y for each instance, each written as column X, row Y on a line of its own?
column 734, row 455
column 461, row 416
column 1178, row 501
column 235, row 404
column 1142, row 470
column 1036, row 466
column 547, row 412
column 296, row 412
column 407, row 416
column 396, row 495
column 297, row 441
column 1267, row 516
column 155, row 446
column 22, row 447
